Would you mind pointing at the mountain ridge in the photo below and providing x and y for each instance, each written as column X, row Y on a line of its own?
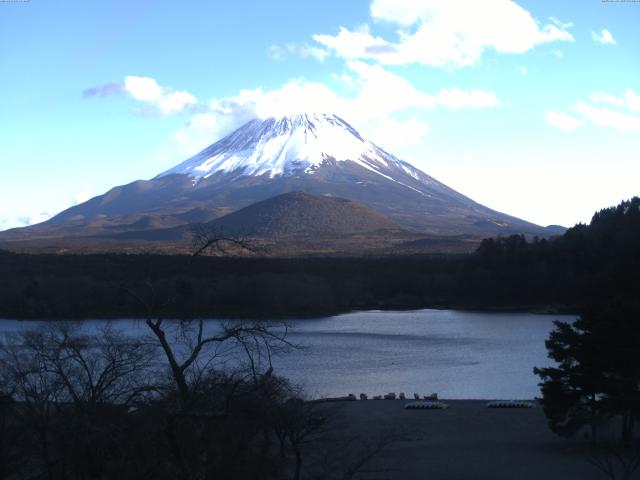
column 320, row 154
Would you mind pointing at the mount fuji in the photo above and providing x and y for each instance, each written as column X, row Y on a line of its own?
column 319, row 154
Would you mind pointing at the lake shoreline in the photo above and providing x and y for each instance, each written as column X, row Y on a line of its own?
column 454, row 353
column 533, row 309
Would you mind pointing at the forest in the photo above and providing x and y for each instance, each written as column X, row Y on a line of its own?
column 587, row 263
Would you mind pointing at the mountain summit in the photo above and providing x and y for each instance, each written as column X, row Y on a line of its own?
column 320, row 154
column 291, row 145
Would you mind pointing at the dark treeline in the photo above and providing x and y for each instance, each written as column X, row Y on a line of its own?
column 587, row 263
column 594, row 386
column 96, row 286
column 592, row 263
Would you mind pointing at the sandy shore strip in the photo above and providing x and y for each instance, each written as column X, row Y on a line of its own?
column 465, row 441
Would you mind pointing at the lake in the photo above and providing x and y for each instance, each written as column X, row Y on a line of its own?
column 457, row 354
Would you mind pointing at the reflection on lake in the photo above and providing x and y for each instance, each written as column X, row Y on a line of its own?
column 454, row 353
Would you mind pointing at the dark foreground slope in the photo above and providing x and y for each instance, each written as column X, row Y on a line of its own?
column 467, row 441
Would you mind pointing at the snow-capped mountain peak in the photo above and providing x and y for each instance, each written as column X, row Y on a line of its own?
column 317, row 154
column 290, row 145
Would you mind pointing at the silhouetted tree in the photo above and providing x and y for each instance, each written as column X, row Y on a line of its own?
column 9, row 436
column 617, row 462
column 598, row 373
column 72, row 391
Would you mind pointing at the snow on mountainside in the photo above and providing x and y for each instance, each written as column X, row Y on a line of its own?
column 319, row 154
column 290, row 145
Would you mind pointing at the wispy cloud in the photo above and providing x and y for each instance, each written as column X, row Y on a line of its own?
column 24, row 220
column 603, row 110
column 111, row 88
column 606, row 117
column 31, row 216
column 82, row 195
column 157, row 99
column 604, row 97
column 562, row 121
column 603, row 38
column 281, row 52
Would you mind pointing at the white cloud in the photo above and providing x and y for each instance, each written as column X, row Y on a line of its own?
column 83, row 195
column 606, row 117
column 165, row 100
column 26, row 213
column 633, row 100
column 279, row 53
column 157, row 99
column 562, row 121
column 560, row 24
column 395, row 135
column 603, row 97
column 370, row 106
column 604, row 37
column 454, row 98
column 306, row 51
column 23, row 220
column 630, row 100
column 523, row 70
column 618, row 114
column 383, row 92
column 357, row 44
column 445, row 33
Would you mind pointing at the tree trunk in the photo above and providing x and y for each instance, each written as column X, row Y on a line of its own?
column 176, row 371
column 44, row 444
column 174, row 446
column 626, row 438
column 298, row 463
column 266, row 443
column 594, row 420
column 2, row 458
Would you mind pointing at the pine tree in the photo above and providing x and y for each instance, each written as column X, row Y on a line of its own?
column 598, row 370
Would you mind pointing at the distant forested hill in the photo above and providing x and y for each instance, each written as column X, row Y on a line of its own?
column 599, row 261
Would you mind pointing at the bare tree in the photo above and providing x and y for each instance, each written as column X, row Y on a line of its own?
column 348, row 456
column 8, row 435
column 617, row 461
column 106, row 367
column 195, row 350
column 189, row 347
column 212, row 240
column 71, row 389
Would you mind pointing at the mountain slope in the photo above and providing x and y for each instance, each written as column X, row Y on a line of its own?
column 299, row 213
column 314, row 153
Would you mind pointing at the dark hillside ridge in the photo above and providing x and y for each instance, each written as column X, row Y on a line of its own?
column 299, row 213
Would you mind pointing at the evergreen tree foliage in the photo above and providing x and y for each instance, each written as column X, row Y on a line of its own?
column 598, row 373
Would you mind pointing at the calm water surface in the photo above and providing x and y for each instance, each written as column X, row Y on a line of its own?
column 456, row 354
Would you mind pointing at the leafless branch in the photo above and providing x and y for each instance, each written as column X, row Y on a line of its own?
column 207, row 238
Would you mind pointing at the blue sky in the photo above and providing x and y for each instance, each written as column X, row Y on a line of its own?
column 532, row 108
